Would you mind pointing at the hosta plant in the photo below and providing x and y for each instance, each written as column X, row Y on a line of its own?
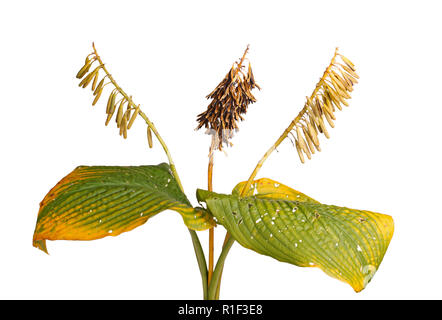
column 262, row 215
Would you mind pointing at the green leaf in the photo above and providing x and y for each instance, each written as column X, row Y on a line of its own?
column 268, row 188
column 346, row 244
column 94, row 202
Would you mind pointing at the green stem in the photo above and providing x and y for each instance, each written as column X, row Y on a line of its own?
column 201, row 261
column 222, row 268
column 214, row 284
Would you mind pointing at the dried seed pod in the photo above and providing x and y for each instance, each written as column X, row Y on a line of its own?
column 324, row 129
column 329, row 120
column 111, row 101
column 127, row 113
column 353, row 79
column 308, row 139
column 328, row 106
column 319, row 106
column 333, row 98
column 312, row 128
column 307, row 152
column 344, row 84
column 316, row 109
column 330, row 113
column 85, row 68
column 342, row 100
column 123, row 119
column 109, row 117
column 94, row 82
column 345, row 76
column 125, row 130
column 123, row 126
column 230, row 100
column 336, row 84
column 149, row 137
column 301, row 141
column 134, row 115
column 327, row 103
column 313, row 119
column 85, row 81
column 298, row 148
column 350, row 71
column 347, row 81
column 342, row 93
column 331, row 92
column 348, row 62
column 251, row 78
column 120, row 113
column 99, row 86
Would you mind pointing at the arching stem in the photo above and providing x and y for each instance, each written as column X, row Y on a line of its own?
column 287, row 131
column 201, row 259
column 214, row 285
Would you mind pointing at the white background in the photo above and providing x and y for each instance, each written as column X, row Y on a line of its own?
column 384, row 154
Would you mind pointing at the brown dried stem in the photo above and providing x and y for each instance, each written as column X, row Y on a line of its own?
column 211, row 230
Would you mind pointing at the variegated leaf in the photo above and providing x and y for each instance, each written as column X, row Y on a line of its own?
column 277, row 221
column 94, row 202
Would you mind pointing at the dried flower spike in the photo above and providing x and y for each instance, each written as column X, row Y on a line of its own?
column 331, row 92
column 230, row 100
column 117, row 97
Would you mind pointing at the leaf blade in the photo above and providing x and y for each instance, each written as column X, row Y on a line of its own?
column 346, row 244
column 93, row 202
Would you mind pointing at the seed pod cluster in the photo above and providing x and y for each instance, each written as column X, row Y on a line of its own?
column 331, row 93
column 118, row 101
column 230, row 99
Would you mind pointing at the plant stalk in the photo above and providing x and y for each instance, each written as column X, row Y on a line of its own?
column 211, row 233
column 228, row 236
column 201, row 261
column 195, row 240
column 199, row 253
column 286, row 131
column 216, row 278
column 211, row 230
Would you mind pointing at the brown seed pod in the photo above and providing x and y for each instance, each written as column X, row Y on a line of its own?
column 230, row 100
column 97, row 96
column 348, row 62
column 94, row 82
column 132, row 118
column 124, row 119
column 298, row 149
column 111, row 101
column 85, row 68
column 309, row 140
column 120, row 113
column 99, row 86
column 83, row 83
